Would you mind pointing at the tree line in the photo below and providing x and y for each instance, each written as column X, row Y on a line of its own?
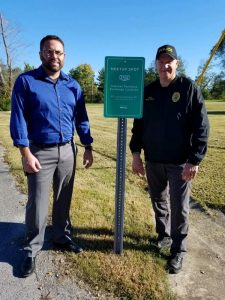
column 212, row 85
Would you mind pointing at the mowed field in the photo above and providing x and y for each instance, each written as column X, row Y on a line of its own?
column 139, row 273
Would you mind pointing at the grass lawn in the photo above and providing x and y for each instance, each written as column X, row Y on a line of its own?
column 139, row 272
column 209, row 187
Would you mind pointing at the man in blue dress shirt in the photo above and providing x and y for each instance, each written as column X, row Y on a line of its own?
column 47, row 107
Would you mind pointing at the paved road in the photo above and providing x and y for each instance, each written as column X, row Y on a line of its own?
column 45, row 282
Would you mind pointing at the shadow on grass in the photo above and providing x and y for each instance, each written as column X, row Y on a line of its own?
column 220, row 207
column 100, row 153
column 216, row 147
column 216, row 112
column 102, row 239
column 194, row 204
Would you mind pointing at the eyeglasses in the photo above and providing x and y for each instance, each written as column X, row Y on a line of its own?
column 50, row 53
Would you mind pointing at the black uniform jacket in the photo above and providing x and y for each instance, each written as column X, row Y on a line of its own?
column 174, row 127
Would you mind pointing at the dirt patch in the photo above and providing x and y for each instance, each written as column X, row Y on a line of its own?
column 203, row 273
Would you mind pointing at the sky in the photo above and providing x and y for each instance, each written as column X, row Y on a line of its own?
column 93, row 29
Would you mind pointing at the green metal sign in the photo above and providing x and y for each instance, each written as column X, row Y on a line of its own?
column 124, row 87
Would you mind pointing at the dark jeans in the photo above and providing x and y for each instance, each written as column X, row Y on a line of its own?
column 170, row 196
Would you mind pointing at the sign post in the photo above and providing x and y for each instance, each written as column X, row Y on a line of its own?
column 120, row 184
column 123, row 98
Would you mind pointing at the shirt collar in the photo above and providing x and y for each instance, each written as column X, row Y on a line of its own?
column 40, row 73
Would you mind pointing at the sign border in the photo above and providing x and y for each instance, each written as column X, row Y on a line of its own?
column 122, row 115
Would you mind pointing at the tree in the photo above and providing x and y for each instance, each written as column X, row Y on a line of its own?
column 28, row 67
column 211, row 80
column 2, row 78
column 4, row 97
column 181, row 68
column 2, row 73
column 10, row 40
column 100, row 86
column 207, row 80
column 100, row 80
column 151, row 74
column 218, row 88
column 85, row 76
column 6, row 82
column 221, row 51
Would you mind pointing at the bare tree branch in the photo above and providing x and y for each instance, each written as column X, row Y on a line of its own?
column 9, row 35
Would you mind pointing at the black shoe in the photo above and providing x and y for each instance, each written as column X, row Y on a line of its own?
column 70, row 246
column 28, row 266
column 175, row 263
column 163, row 242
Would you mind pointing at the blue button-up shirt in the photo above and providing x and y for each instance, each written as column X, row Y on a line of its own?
column 47, row 112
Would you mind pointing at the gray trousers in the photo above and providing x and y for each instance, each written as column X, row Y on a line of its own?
column 58, row 170
column 170, row 196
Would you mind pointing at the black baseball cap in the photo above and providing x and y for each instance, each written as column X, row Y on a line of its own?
column 167, row 49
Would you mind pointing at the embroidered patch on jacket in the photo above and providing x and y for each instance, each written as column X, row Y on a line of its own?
column 150, row 99
column 176, row 96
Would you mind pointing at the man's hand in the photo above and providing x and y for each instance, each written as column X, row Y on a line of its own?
column 87, row 159
column 137, row 165
column 189, row 172
column 29, row 161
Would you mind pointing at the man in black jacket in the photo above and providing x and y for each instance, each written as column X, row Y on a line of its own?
column 173, row 133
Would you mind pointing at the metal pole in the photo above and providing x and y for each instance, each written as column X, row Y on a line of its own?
column 120, row 184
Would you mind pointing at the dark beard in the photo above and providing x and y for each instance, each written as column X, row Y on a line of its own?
column 51, row 68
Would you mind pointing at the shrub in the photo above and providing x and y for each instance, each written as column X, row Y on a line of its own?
column 5, row 104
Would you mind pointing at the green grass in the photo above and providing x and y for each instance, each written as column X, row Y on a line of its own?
column 209, row 187
column 139, row 272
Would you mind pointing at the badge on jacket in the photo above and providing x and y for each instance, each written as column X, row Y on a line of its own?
column 176, row 96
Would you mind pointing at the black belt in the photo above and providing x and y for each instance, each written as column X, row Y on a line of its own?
column 40, row 145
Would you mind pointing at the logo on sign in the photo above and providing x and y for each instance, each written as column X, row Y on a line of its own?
column 124, row 77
